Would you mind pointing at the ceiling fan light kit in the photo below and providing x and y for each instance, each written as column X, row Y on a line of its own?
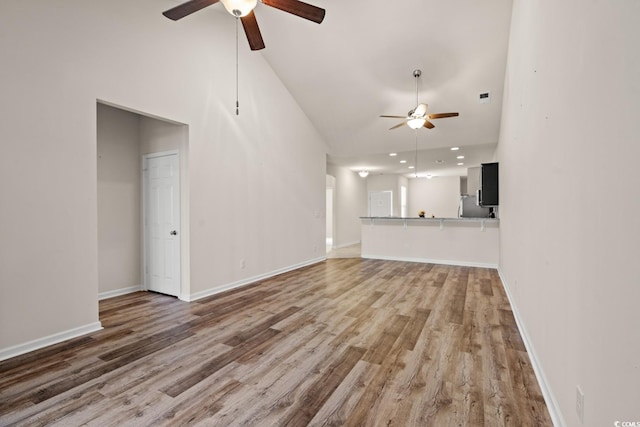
column 363, row 173
column 239, row 8
column 416, row 123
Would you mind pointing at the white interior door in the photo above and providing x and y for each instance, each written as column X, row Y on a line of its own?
column 380, row 203
column 162, row 223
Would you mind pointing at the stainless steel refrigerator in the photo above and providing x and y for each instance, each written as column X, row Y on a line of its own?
column 469, row 208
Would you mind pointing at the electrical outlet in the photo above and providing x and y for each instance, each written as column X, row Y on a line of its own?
column 580, row 404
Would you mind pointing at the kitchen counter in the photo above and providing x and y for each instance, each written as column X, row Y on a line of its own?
column 416, row 218
column 454, row 241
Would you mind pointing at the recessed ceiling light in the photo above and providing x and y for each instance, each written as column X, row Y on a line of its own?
column 439, row 161
column 403, row 161
column 393, row 154
column 455, row 148
column 460, row 164
column 460, row 157
column 411, row 167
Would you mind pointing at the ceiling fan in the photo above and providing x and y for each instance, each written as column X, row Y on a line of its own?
column 243, row 9
column 418, row 117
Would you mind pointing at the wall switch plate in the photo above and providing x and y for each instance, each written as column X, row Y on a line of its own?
column 580, row 404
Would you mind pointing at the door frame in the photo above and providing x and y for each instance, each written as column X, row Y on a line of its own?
column 145, row 208
column 373, row 192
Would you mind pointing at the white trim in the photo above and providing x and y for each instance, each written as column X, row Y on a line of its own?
column 432, row 261
column 118, row 292
column 552, row 404
column 161, row 154
column 249, row 280
column 139, row 112
column 19, row 349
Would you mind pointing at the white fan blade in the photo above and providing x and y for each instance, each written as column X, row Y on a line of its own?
column 420, row 110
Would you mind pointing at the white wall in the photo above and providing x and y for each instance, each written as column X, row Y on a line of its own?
column 119, row 200
column 350, row 203
column 439, row 196
column 569, row 235
column 157, row 135
column 249, row 204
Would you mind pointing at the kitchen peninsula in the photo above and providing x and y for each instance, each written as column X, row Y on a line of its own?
column 454, row 241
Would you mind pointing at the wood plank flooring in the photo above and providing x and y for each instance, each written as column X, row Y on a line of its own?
column 346, row 342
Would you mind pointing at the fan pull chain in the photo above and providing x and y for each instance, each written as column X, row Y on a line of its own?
column 237, row 80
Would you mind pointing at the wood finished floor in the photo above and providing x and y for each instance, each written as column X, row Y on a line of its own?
column 348, row 342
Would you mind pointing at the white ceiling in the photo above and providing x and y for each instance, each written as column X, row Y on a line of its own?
column 359, row 62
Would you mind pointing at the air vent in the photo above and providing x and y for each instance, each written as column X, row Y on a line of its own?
column 484, row 98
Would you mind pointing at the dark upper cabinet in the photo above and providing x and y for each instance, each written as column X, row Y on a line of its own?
column 489, row 191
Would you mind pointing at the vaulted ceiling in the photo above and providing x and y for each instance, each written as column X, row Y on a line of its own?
column 358, row 64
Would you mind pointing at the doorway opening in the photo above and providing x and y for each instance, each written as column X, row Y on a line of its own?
column 123, row 138
column 329, row 212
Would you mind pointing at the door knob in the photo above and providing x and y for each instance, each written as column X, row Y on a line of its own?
column 174, row 233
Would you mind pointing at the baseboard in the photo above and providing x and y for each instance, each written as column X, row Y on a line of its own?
column 19, row 349
column 346, row 245
column 118, row 292
column 249, row 280
column 547, row 393
column 433, row 261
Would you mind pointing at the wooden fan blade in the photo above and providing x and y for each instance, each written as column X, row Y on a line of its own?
column 398, row 125
column 187, row 8
column 298, row 8
column 428, row 124
column 251, row 29
column 442, row 115
column 395, row 117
